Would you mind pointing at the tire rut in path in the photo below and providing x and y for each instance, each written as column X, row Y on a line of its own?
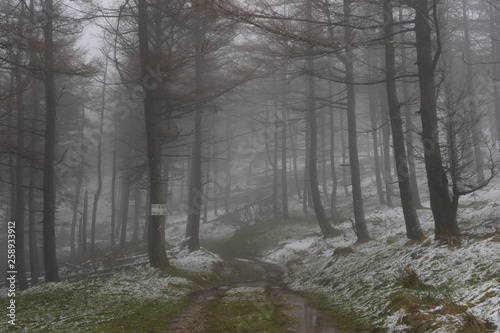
column 195, row 318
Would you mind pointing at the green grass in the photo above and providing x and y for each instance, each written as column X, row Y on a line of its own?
column 343, row 319
column 139, row 302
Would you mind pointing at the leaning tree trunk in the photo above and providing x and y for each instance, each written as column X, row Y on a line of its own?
column 49, row 191
column 154, row 137
column 325, row 226
column 357, row 196
column 413, row 230
column 441, row 202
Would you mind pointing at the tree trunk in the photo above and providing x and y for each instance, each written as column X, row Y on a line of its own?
column 195, row 188
column 124, row 209
column 409, row 129
column 216, row 192
column 495, row 68
column 196, row 197
column 386, row 151
column 20, row 216
column 76, row 204
column 305, row 191
column 49, row 191
column 413, row 230
column 345, row 183
column 97, row 194
column 323, row 154
column 276, row 210
column 357, row 195
column 284, row 181
column 207, row 186
column 326, row 228
column 476, row 132
column 32, row 235
column 333, row 198
column 154, row 137
column 376, row 157
column 441, row 202
column 78, row 187
column 137, row 213
column 113, row 188
column 147, row 222
column 227, row 192
column 295, row 169
column 84, row 227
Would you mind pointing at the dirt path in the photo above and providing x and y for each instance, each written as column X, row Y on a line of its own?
column 251, row 298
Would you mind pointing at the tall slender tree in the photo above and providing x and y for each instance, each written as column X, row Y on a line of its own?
column 413, row 229
column 152, row 114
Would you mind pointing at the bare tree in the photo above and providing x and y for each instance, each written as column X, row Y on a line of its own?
column 152, row 115
column 413, row 229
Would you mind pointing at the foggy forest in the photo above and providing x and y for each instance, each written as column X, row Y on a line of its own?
column 250, row 166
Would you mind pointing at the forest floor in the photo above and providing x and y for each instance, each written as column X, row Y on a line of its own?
column 386, row 285
column 251, row 298
column 389, row 283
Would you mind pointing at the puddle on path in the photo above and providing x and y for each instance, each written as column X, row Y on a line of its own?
column 245, row 276
column 306, row 319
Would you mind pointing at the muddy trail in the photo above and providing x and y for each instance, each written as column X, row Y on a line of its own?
column 250, row 298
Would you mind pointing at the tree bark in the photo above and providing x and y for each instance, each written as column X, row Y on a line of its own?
column 84, row 227
column 345, row 183
column 336, row 218
column 137, row 213
column 124, row 209
column 413, row 230
column 376, row 157
column 326, row 229
column 357, row 195
column 274, row 165
column 97, row 194
column 49, row 191
column 196, row 197
column 495, row 68
column 409, row 131
column 441, row 202
column 113, row 189
column 32, row 235
column 476, row 132
column 20, row 202
column 386, row 151
column 284, row 181
column 154, row 135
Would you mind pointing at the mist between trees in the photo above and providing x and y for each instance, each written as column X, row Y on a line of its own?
column 209, row 106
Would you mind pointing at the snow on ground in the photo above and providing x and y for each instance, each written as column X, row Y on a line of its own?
column 367, row 280
column 202, row 262
column 79, row 306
